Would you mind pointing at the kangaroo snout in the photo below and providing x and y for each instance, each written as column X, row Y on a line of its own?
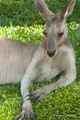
column 51, row 53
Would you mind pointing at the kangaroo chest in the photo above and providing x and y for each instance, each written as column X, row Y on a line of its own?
column 49, row 69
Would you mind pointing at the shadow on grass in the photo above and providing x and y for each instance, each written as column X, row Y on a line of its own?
column 21, row 12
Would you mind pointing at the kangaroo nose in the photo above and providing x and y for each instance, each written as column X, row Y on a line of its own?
column 51, row 53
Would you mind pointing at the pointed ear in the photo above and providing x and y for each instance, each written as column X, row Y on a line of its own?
column 43, row 9
column 67, row 10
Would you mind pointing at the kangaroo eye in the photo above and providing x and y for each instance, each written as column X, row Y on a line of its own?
column 60, row 34
column 44, row 33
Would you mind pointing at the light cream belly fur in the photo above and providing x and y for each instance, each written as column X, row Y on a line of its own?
column 47, row 73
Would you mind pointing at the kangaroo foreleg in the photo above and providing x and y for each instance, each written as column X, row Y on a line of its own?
column 63, row 81
column 27, row 110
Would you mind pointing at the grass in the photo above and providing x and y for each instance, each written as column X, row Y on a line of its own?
column 20, row 20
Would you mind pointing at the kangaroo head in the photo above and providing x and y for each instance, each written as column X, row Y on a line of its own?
column 55, row 28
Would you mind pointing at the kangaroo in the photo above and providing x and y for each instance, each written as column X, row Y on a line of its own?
column 20, row 62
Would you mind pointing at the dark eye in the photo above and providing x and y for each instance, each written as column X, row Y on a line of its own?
column 60, row 34
column 44, row 33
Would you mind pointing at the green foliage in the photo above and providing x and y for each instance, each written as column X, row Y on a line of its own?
column 20, row 20
column 21, row 12
column 62, row 104
column 30, row 35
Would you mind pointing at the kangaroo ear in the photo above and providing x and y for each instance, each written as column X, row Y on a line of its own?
column 67, row 10
column 43, row 9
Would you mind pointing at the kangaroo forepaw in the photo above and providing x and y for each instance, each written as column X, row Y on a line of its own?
column 38, row 95
column 22, row 114
column 19, row 116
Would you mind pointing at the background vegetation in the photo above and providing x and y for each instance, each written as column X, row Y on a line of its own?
column 20, row 20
